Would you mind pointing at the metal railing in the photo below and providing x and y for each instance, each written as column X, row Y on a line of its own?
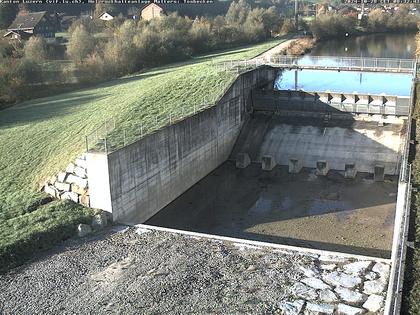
column 326, row 62
column 399, row 246
column 111, row 136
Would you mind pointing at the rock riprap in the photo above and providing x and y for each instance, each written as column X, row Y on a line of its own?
column 71, row 184
column 336, row 285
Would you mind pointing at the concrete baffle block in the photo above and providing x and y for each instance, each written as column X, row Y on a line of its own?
column 295, row 166
column 268, row 162
column 350, row 170
column 242, row 160
column 379, row 173
column 322, row 168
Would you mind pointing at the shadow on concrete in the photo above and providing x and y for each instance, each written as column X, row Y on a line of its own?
column 357, row 250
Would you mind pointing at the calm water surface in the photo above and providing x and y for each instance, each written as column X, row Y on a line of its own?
column 374, row 46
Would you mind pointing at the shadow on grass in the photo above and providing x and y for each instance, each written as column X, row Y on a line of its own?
column 44, row 109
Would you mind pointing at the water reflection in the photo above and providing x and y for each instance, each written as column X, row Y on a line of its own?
column 376, row 46
column 345, row 81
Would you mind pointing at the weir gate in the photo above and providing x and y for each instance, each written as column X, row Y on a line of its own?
column 325, row 170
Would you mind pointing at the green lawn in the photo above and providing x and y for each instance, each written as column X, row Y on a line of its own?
column 40, row 137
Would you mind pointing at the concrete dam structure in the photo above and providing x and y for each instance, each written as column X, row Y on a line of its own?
column 251, row 120
column 319, row 170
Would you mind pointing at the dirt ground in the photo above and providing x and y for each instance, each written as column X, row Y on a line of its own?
column 331, row 213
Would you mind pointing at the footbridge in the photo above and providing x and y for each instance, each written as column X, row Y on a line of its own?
column 390, row 65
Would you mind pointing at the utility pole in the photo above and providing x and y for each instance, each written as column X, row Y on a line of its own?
column 296, row 15
column 362, row 12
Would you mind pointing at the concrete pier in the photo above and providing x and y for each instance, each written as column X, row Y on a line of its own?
column 322, row 168
column 268, row 162
column 242, row 160
column 350, row 171
column 295, row 166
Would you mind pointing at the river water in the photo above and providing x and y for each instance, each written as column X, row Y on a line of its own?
column 373, row 46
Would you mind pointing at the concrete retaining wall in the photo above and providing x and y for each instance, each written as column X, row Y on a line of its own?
column 145, row 176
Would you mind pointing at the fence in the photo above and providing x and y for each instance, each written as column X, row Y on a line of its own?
column 110, row 136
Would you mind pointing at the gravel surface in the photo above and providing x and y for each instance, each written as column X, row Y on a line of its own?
column 140, row 271
column 154, row 273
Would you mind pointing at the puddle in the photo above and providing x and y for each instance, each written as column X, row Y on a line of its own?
column 323, row 206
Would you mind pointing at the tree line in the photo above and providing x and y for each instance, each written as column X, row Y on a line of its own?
column 330, row 25
column 101, row 50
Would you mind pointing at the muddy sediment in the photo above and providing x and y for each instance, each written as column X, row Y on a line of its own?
column 331, row 213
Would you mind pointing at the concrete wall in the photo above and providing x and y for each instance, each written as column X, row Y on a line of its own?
column 145, row 176
column 309, row 140
column 331, row 102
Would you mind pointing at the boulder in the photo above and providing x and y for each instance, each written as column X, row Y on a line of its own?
column 329, row 267
column 315, row 283
column 374, row 303
column 81, row 182
column 81, row 162
column 52, row 180
column 62, row 186
column 77, row 189
column 357, row 268
column 344, row 309
column 319, row 308
column 292, row 308
column 327, row 296
column 70, row 196
column 85, row 200
column 51, row 190
column 371, row 275
column 83, row 230
column 382, row 269
column 80, row 171
column 374, row 286
column 99, row 221
column 61, row 177
column 70, row 168
column 341, row 279
column 309, row 271
column 304, row 292
column 350, row 296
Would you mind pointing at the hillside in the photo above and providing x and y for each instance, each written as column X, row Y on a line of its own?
column 40, row 137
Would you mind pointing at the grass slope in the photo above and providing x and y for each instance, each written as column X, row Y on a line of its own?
column 40, row 137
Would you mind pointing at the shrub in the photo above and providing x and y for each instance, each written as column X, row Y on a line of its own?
column 287, row 27
column 332, row 25
column 200, row 36
column 81, row 44
column 35, row 49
